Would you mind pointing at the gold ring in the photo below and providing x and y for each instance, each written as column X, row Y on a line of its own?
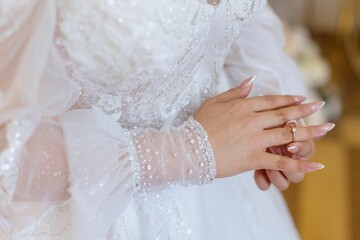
column 293, row 132
column 291, row 123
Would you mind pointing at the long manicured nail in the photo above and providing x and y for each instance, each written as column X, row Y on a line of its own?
column 293, row 149
column 247, row 82
column 317, row 105
column 299, row 99
column 315, row 167
column 327, row 128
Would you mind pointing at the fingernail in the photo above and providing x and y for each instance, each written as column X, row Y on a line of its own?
column 327, row 127
column 315, row 167
column 247, row 82
column 293, row 149
column 299, row 99
column 317, row 105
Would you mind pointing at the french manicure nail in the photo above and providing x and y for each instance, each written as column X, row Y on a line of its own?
column 327, row 127
column 247, row 82
column 299, row 99
column 317, row 105
column 315, row 167
column 293, row 149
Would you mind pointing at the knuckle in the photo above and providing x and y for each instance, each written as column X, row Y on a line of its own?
column 286, row 134
column 301, row 166
column 281, row 114
column 271, row 100
column 281, row 164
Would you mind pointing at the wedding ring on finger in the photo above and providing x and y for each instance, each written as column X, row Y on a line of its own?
column 291, row 123
column 293, row 134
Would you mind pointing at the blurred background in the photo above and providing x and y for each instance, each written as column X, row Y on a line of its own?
column 324, row 39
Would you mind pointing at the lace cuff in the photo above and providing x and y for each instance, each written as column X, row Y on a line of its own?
column 180, row 155
column 198, row 137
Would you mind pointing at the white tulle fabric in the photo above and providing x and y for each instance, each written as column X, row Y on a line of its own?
column 97, row 139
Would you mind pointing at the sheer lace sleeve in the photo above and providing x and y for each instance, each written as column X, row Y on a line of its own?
column 182, row 154
column 109, row 164
column 259, row 51
column 85, row 169
column 63, row 169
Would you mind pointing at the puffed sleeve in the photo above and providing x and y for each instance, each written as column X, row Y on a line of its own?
column 69, row 172
column 259, row 51
column 26, row 33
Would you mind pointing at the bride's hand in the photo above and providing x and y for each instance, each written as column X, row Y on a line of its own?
column 240, row 130
column 281, row 180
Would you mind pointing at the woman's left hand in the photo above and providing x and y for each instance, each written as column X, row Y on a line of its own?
column 296, row 150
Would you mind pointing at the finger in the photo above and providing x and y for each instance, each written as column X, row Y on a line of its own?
column 294, row 177
column 283, row 136
column 271, row 102
column 278, row 117
column 278, row 179
column 294, row 147
column 236, row 93
column 304, row 150
column 274, row 162
column 261, row 179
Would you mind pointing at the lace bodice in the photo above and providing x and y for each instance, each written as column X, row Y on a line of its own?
column 153, row 54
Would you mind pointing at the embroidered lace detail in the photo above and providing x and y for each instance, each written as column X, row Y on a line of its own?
column 161, row 65
column 180, row 155
column 203, row 150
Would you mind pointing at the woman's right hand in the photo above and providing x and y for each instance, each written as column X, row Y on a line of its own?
column 240, row 130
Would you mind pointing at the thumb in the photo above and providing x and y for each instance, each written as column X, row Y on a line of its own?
column 239, row 92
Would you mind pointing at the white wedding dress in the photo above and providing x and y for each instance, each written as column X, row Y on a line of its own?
column 97, row 139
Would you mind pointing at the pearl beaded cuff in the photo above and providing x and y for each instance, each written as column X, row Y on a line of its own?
column 182, row 155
